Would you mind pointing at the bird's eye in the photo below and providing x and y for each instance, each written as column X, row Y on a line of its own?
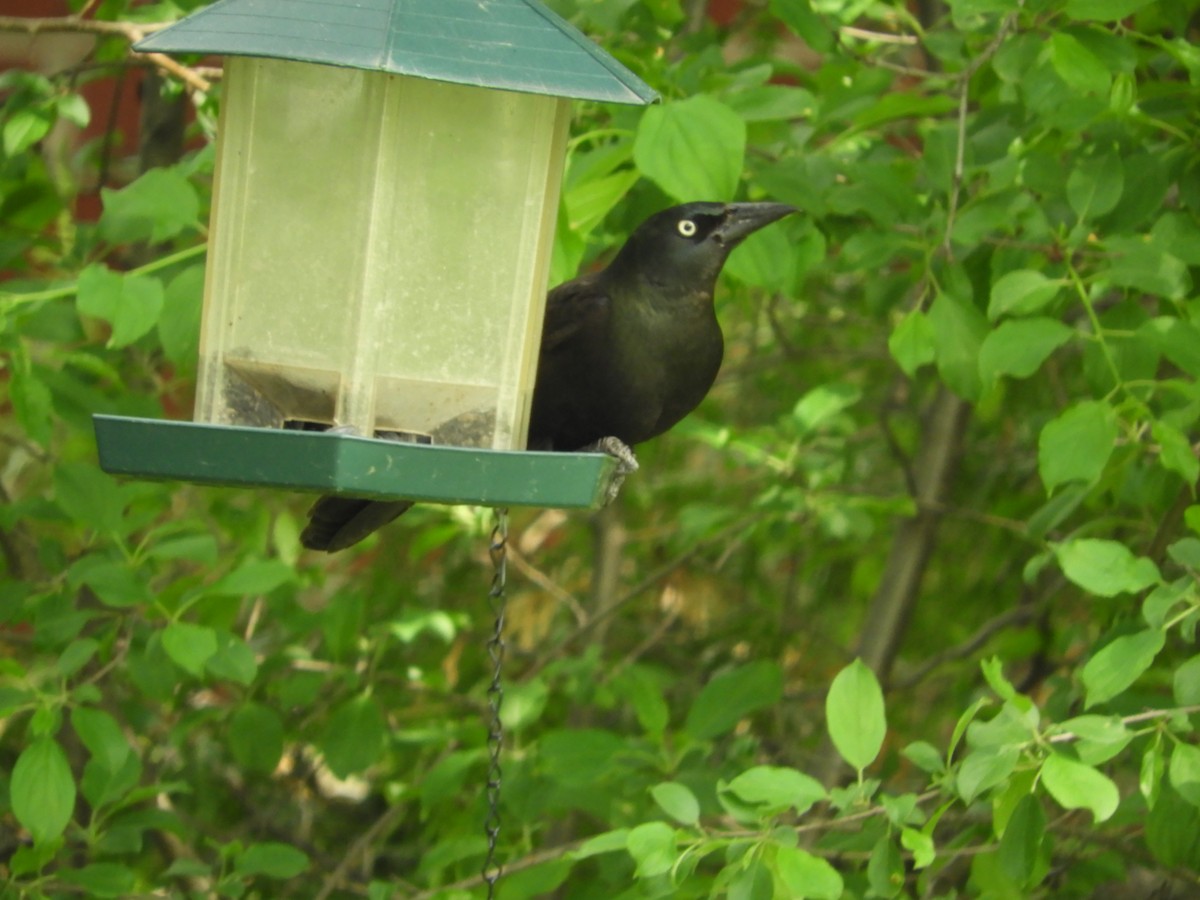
column 686, row 227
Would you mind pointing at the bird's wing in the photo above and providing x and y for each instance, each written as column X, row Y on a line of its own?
column 574, row 308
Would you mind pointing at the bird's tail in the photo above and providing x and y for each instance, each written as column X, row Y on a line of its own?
column 335, row 523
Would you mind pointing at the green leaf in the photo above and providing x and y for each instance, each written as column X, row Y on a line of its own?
column 855, row 715
column 912, row 343
column 234, row 660
column 1078, row 786
column 23, row 129
column 88, row 496
column 159, row 205
column 199, row 548
column 776, row 787
column 1020, row 849
column 823, row 403
column 1119, row 664
column 131, row 304
column 985, row 768
column 1020, row 292
column 1077, row 65
column 652, row 846
column 969, row 14
column 1105, row 568
column 75, row 656
column 677, row 801
column 1144, row 266
column 1187, row 683
column 1018, row 347
column 189, row 646
column 102, row 736
column 1184, row 772
column 105, row 879
column 772, row 102
column 766, row 259
column 1161, row 601
column 31, row 401
column 115, row 583
column 751, row 880
column 590, row 201
column 257, row 576
column 1095, row 184
column 692, row 149
column 732, row 695
column 1103, row 10
column 1177, row 340
column 645, row 694
column 1100, row 737
column 578, row 757
column 993, row 672
column 1150, row 773
column 1186, row 552
column 905, row 105
column 958, row 332
column 608, row 842
column 256, row 738
column 798, row 15
column 885, row 869
column 1175, row 451
column 925, row 757
column 101, row 785
column 1173, row 830
column 1123, row 95
column 920, row 845
column 272, row 859
column 1013, row 726
column 808, row 876
column 354, row 736
column 179, row 322
column 74, row 108
column 42, row 790
column 1076, row 445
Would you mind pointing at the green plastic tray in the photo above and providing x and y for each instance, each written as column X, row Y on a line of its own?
column 354, row 466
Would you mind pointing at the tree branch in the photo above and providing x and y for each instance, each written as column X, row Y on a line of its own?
column 130, row 31
column 899, row 586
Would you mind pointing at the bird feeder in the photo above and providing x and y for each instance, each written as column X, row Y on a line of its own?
column 387, row 181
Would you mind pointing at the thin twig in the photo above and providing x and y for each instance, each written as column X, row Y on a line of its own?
column 547, row 584
column 359, row 849
column 1147, row 716
column 633, row 593
column 880, row 37
column 1019, row 615
column 960, row 144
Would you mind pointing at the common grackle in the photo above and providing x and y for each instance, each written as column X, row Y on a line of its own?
column 626, row 352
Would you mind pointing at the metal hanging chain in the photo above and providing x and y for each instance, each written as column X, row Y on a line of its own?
column 498, row 550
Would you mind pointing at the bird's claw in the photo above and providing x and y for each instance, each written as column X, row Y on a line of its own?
column 627, row 463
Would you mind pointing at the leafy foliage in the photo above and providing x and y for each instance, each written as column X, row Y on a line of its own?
column 908, row 608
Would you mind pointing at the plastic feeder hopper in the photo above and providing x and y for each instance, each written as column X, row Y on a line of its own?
column 387, row 180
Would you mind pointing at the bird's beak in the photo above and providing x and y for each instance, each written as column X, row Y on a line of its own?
column 743, row 219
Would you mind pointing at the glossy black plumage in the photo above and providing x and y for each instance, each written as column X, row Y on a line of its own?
column 626, row 352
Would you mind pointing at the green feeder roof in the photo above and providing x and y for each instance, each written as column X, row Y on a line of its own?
column 514, row 45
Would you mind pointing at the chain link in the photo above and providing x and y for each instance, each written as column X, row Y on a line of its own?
column 498, row 551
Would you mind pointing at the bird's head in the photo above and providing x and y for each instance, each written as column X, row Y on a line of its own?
column 692, row 241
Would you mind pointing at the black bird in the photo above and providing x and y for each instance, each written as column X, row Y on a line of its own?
column 626, row 352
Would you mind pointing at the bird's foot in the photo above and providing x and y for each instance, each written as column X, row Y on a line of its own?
column 627, row 463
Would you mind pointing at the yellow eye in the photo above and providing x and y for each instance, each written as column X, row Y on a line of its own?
column 687, row 227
